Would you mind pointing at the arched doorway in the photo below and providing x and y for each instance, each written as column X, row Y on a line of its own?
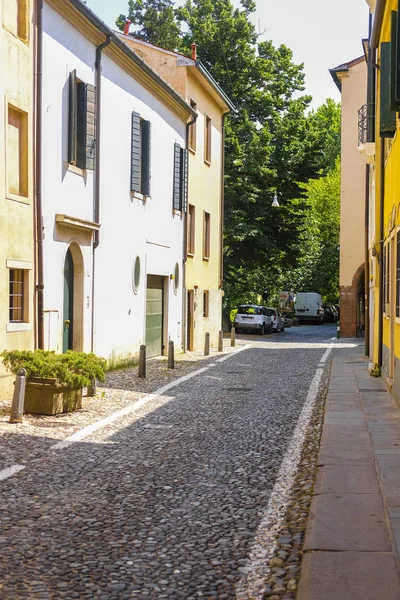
column 72, row 327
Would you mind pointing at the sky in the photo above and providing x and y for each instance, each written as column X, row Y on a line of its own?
column 321, row 33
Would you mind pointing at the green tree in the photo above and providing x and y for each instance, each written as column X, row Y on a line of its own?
column 154, row 21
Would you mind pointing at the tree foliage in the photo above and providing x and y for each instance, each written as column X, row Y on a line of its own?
column 274, row 144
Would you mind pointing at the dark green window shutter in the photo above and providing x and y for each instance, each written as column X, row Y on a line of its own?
column 387, row 115
column 185, row 174
column 177, row 197
column 72, row 118
column 81, row 126
column 146, row 155
column 90, row 126
column 394, row 104
column 135, row 153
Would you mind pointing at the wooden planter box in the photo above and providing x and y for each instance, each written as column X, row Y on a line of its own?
column 48, row 397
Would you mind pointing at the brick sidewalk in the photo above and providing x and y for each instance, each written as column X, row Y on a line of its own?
column 352, row 543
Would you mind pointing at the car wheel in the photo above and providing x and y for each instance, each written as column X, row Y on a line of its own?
column 262, row 331
column 269, row 329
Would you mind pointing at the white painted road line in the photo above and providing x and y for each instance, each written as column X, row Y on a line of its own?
column 5, row 473
column 254, row 580
column 86, row 431
column 224, row 358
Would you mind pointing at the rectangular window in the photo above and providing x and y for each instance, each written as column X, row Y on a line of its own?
column 17, row 296
column 180, row 185
column 81, row 123
column 398, row 275
column 140, row 155
column 15, row 17
column 17, row 152
column 192, row 130
column 206, row 304
column 207, row 140
column 206, row 236
column 191, row 229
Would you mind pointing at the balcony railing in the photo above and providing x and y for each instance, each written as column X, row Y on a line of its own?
column 366, row 124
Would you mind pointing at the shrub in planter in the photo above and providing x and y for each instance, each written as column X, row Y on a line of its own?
column 54, row 381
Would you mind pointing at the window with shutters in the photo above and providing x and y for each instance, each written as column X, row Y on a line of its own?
column 191, row 229
column 81, row 124
column 192, row 130
column 388, row 121
column 207, row 140
column 18, row 286
column 206, row 235
column 180, row 181
column 206, row 304
column 17, row 153
column 140, row 155
column 398, row 274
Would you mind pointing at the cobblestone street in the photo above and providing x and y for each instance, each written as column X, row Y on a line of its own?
column 176, row 498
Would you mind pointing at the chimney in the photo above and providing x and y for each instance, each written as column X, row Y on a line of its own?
column 127, row 25
column 194, row 51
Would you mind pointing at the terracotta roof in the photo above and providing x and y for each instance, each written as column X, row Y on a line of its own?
column 343, row 68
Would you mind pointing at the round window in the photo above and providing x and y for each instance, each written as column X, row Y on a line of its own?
column 136, row 275
column 176, row 278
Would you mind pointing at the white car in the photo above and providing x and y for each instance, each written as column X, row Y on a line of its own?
column 278, row 322
column 253, row 317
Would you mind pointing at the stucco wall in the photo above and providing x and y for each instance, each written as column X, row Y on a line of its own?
column 16, row 214
column 352, row 205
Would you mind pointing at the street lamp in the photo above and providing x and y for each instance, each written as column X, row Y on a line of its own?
column 275, row 202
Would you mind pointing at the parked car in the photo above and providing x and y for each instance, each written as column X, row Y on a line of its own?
column 330, row 314
column 253, row 317
column 288, row 319
column 278, row 323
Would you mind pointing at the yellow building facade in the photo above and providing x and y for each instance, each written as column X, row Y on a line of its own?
column 16, row 181
column 204, row 218
column 384, row 209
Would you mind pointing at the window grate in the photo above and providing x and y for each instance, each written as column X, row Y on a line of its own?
column 16, row 296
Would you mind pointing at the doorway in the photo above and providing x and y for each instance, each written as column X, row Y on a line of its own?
column 68, row 310
column 154, row 316
column 190, row 320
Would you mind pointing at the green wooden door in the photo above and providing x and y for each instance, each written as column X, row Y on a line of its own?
column 68, row 315
column 154, row 316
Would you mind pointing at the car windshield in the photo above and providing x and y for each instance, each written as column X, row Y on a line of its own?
column 271, row 312
column 249, row 310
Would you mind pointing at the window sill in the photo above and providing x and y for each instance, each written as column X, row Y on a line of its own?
column 138, row 196
column 207, row 162
column 206, row 258
column 190, row 254
column 18, row 198
column 24, row 40
column 177, row 212
column 13, row 327
column 192, row 150
column 73, row 169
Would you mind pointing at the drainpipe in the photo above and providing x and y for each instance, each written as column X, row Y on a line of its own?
column 185, row 234
column 380, row 255
column 38, row 174
column 366, row 271
column 96, row 207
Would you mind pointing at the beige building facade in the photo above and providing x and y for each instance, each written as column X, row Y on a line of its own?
column 204, row 218
column 16, row 181
column 351, row 79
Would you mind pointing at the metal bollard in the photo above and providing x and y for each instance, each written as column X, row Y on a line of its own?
column 91, row 389
column 171, row 355
column 142, row 361
column 17, row 407
column 207, row 345
column 220, row 341
column 233, row 339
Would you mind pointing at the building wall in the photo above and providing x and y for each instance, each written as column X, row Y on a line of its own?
column 205, row 194
column 352, row 202
column 16, row 209
column 130, row 226
column 202, row 276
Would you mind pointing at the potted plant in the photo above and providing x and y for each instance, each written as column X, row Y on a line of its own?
column 54, row 382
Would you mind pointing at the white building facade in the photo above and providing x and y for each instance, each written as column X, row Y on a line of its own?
column 114, row 171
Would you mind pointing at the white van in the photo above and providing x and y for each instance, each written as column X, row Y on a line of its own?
column 308, row 307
